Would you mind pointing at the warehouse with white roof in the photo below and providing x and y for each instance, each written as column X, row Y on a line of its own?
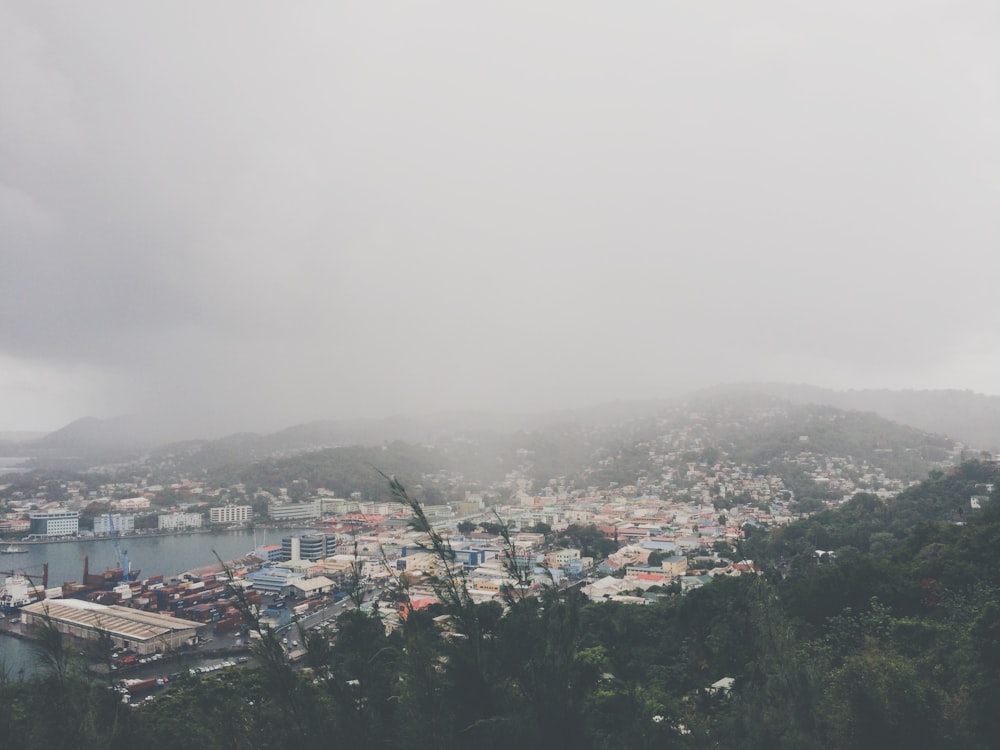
column 143, row 632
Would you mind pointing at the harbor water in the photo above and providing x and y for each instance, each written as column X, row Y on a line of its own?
column 152, row 555
column 167, row 555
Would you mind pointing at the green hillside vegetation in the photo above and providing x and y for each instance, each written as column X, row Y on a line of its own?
column 890, row 642
column 341, row 470
column 737, row 425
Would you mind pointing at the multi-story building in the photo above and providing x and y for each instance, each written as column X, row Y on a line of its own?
column 294, row 511
column 16, row 525
column 131, row 503
column 102, row 524
column 55, row 523
column 307, row 547
column 173, row 521
column 230, row 514
column 562, row 558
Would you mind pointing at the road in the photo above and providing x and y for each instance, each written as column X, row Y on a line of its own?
column 329, row 612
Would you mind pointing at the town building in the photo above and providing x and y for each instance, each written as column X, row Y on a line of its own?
column 307, row 547
column 307, row 588
column 143, row 632
column 274, row 580
column 103, row 524
column 131, row 503
column 55, row 523
column 230, row 514
column 174, row 521
column 294, row 511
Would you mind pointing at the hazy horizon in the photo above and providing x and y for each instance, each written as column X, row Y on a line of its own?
column 246, row 216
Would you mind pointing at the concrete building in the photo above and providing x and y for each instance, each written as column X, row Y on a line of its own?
column 143, row 632
column 230, row 514
column 269, row 552
column 131, row 503
column 307, row 547
column 310, row 587
column 274, row 580
column 338, row 506
column 562, row 558
column 294, row 511
column 174, row 521
column 102, row 524
column 55, row 523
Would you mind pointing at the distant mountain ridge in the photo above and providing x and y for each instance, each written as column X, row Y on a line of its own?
column 972, row 418
column 91, row 441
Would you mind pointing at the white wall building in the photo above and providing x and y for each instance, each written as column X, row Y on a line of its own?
column 230, row 514
column 294, row 511
column 102, row 524
column 173, row 521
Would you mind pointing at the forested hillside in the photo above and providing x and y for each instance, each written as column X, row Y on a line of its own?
column 973, row 418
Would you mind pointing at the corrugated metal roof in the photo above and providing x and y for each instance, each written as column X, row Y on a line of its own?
column 120, row 621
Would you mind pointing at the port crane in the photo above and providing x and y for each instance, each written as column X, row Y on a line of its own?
column 122, row 556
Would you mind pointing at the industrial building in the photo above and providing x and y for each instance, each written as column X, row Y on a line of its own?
column 143, row 632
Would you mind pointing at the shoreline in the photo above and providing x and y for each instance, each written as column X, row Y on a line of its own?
column 107, row 537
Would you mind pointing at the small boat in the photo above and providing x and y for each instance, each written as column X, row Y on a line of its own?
column 12, row 549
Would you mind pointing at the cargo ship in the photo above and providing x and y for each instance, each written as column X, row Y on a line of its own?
column 18, row 591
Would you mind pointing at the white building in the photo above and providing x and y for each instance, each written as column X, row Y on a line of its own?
column 55, row 523
column 173, row 521
column 338, row 506
column 230, row 514
column 294, row 511
column 102, row 524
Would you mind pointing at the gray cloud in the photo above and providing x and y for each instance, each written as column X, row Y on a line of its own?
column 260, row 214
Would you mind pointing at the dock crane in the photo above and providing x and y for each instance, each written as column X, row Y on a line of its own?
column 122, row 556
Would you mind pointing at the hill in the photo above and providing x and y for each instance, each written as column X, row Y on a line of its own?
column 972, row 418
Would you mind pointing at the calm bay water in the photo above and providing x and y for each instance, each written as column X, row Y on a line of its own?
column 168, row 555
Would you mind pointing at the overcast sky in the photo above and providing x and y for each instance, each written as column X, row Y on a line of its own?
column 253, row 214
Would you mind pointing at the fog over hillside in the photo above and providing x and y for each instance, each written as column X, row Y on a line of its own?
column 247, row 216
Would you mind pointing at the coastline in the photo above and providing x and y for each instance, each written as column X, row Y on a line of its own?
column 122, row 537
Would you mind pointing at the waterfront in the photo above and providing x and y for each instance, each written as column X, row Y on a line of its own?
column 167, row 554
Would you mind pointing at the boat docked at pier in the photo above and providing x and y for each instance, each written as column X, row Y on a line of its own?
column 18, row 591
